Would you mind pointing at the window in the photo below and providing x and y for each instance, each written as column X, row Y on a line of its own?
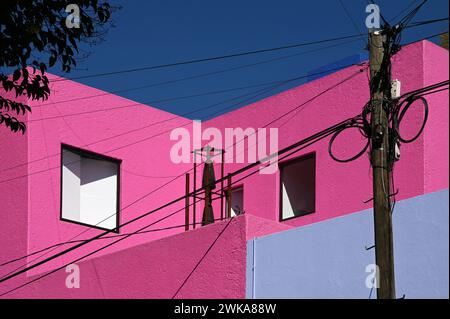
column 237, row 201
column 89, row 188
column 298, row 187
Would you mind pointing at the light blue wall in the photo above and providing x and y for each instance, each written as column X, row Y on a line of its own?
column 329, row 259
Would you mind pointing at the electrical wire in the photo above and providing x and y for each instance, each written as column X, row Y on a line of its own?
column 5, row 263
column 326, row 134
column 201, row 75
column 398, row 118
column 253, row 93
column 405, row 9
column 381, row 15
column 273, row 121
column 215, row 58
column 427, row 38
column 338, row 127
column 355, row 25
column 85, row 256
column 208, row 93
column 114, row 214
column 203, row 257
column 410, row 16
column 100, row 234
column 151, row 124
column 237, row 172
column 422, row 23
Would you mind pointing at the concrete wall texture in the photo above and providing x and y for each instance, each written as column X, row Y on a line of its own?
column 329, row 259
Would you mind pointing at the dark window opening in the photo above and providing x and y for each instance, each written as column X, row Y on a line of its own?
column 298, row 187
column 237, row 201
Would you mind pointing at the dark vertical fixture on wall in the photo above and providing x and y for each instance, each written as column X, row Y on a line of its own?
column 186, row 228
column 207, row 193
column 194, row 209
column 228, row 194
column 208, row 183
column 222, row 191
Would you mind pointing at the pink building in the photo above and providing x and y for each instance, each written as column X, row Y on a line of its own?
column 92, row 161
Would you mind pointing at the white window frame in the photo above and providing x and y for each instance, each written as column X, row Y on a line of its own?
column 68, row 193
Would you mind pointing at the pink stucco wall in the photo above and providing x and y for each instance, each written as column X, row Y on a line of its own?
column 146, row 163
column 205, row 263
column 342, row 188
column 32, row 215
column 13, row 196
column 436, row 140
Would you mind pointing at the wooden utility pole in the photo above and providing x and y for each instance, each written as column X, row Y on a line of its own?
column 384, row 253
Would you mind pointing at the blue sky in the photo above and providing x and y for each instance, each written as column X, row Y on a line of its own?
column 164, row 31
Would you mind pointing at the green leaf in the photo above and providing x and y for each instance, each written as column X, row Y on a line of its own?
column 16, row 75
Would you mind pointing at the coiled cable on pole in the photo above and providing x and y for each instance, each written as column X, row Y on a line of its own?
column 358, row 123
column 401, row 112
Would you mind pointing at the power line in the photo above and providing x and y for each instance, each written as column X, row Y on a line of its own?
column 203, row 257
column 234, row 68
column 141, row 128
column 142, row 232
column 230, row 220
column 297, row 109
column 299, row 106
column 408, row 18
column 183, row 197
column 151, row 124
column 139, row 199
column 201, row 75
column 221, row 57
column 127, row 206
column 237, row 172
column 170, row 227
column 185, row 172
column 208, row 93
column 426, row 89
column 253, row 94
column 422, row 23
column 106, row 237
column 116, row 148
column 355, row 25
column 404, row 10
column 322, row 134
column 85, row 256
column 320, row 94
column 123, row 225
column 121, row 209
column 138, row 217
column 381, row 15
column 189, row 96
column 200, row 94
column 427, row 38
